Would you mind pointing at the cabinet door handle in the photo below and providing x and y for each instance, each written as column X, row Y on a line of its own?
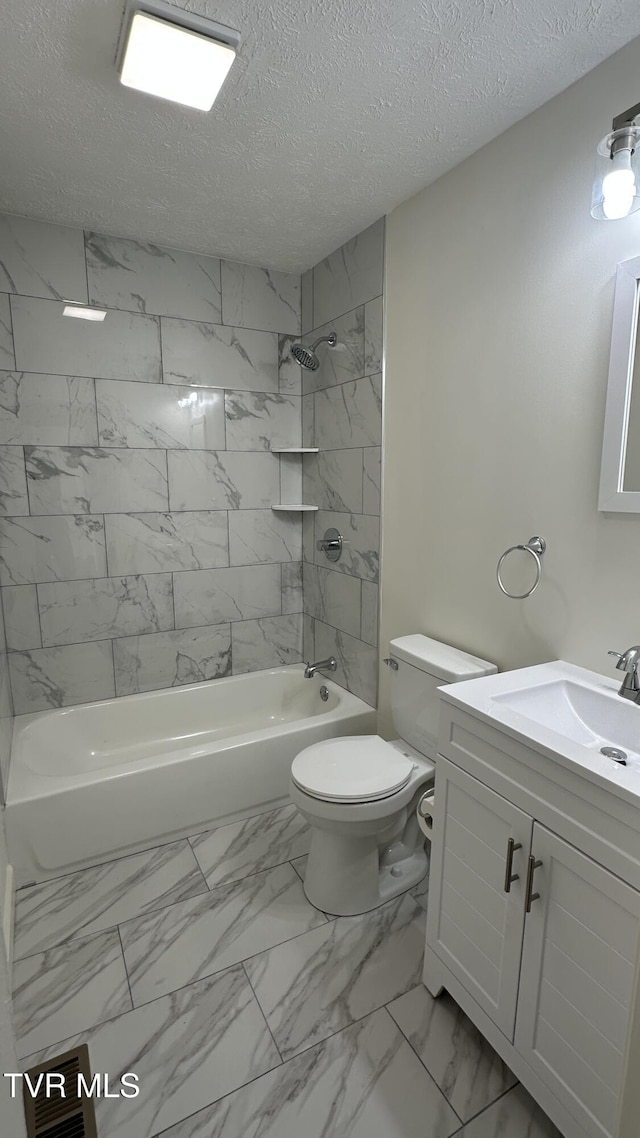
column 531, row 897
column 508, row 875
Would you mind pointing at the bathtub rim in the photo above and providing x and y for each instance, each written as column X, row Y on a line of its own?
column 26, row 784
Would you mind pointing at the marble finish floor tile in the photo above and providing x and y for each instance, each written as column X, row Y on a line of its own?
column 188, row 1050
column 192, row 939
column 68, row 989
column 234, row 851
column 364, row 1082
column 103, row 896
column 323, row 981
column 460, row 1059
column 514, row 1116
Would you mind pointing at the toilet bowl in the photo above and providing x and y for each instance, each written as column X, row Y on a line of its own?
column 360, row 794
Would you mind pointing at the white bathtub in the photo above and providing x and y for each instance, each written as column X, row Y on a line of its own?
column 99, row 780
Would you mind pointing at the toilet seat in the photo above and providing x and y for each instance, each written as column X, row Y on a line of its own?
column 360, row 768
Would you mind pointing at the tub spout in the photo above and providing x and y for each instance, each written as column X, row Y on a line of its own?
column 329, row 665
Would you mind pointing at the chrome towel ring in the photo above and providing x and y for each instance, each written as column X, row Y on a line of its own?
column 536, row 547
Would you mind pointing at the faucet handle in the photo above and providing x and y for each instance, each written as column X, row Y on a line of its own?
column 628, row 661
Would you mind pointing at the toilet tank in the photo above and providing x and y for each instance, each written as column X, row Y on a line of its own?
column 424, row 665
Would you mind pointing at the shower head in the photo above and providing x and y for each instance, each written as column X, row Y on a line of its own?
column 307, row 357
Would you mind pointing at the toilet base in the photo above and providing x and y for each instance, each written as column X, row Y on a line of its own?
column 347, row 875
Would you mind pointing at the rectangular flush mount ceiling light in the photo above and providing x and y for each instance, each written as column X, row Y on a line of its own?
column 81, row 313
column 175, row 55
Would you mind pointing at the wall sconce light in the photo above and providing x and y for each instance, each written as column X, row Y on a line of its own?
column 616, row 186
column 174, row 54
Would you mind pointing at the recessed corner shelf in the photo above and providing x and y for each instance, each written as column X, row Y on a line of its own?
column 295, row 450
column 292, row 507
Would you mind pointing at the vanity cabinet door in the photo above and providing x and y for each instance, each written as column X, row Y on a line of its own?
column 576, row 984
column 473, row 924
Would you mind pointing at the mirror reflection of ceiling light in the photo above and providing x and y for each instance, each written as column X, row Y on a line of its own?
column 81, row 313
column 616, row 187
column 175, row 55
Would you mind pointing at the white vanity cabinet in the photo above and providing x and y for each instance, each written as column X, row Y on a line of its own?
column 534, row 922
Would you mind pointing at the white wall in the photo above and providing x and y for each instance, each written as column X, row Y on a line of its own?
column 499, row 297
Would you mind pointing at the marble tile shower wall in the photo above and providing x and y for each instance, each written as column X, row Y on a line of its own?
column 342, row 415
column 138, row 549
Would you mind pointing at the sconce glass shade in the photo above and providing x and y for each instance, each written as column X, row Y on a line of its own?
column 616, row 185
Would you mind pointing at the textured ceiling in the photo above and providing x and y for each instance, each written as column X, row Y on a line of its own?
column 334, row 111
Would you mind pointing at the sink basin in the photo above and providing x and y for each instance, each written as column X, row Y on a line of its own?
column 567, row 713
column 579, row 711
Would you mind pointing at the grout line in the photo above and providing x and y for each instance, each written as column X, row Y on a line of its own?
column 485, row 1109
column 421, row 1060
column 126, row 970
column 248, row 979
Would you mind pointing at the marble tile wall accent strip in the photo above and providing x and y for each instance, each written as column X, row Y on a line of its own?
column 188, row 1049
column 75, row 611
column 150, row 278
column 344, row 362
column 51, row 410
column 308, row 638
column 462, row 1062
column 168, row 416
column 266, row 643
column 125, row 345
column 170, row 659
column 369, row 613
column 213, row 596
column 6, row 721
column 373, row 332
column 357, row 662
column 289, row 370
column 361, row 543
column 351, row 275
column 210, row 355
column 308, row 421
column 93, row 900
column 67, row 989
column 306, row 299
column 230, row 853
column 221, row 480
column 21, row 617
column 349, row 415
column 326, row 979
column 40, row 259
column 333, row 480
column 13, row 481
column 333, row 598
column 74, row 480
column 364, row 1082
column 55, row 677
column 35, row 550
column 292, row 597
column 7, row 357
column 260, row 421
column 192, row 939
column 371, row 479
column 165, row 543
column 260, row 298
column 259, row 536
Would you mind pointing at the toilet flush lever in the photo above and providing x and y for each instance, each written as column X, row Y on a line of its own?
column 391, row 663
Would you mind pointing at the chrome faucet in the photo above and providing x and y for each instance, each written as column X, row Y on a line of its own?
column 628, row 663
column 329, row 665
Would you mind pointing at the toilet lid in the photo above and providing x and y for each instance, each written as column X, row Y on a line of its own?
column 356, row 768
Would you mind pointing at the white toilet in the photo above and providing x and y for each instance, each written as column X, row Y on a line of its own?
column 360, row 793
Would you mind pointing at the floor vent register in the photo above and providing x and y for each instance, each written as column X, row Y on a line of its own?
column 48, row 1113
